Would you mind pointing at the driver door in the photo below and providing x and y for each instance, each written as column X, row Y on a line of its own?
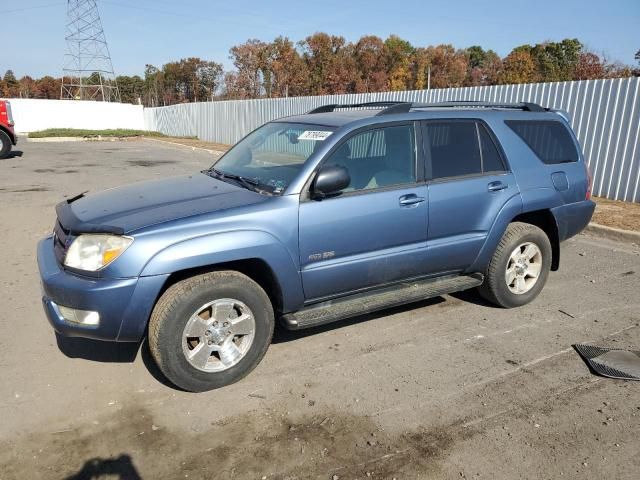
column 375, row 231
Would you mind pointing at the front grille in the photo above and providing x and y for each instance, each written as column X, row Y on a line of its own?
column 60, row 241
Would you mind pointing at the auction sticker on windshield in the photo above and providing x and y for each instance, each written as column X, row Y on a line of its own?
column 314, row 135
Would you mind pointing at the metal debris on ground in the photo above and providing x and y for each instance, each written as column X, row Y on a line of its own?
column 611, row 362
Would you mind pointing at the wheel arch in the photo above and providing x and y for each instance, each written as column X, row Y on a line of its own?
column 256, row 269
column 544, row 220
column 511, row 212
column 9, row 133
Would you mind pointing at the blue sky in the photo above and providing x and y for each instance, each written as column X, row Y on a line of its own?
column 158, row 31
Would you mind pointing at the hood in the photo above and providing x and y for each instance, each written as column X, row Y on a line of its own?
column 131, row 207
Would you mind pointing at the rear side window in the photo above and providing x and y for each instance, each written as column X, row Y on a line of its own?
column 459, row 148
column 452, row 148
column 549, row 140
column 491, row 160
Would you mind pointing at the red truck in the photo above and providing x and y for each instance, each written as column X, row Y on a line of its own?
column 8, row 135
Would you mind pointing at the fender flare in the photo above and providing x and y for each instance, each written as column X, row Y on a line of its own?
column 212, row 249
column 535, row 199
column 509, row 210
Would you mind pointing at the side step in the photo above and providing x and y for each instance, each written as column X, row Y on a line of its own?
column 379, row 299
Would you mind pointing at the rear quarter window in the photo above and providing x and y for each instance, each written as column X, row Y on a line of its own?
column 550, row 140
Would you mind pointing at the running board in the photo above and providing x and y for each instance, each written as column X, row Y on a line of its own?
column 379, row 299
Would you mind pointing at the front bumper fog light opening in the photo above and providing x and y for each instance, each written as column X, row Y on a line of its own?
column 86, row 318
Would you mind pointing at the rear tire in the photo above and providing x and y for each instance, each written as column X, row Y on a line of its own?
column 210, row 330
column 5, row 144
column 519, row 268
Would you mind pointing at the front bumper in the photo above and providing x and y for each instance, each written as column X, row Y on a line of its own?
column 124, row 304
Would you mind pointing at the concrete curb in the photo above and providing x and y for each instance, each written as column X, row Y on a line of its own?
column 77, row 139
column 56, row 139
column 611, row 233
column 209, row 150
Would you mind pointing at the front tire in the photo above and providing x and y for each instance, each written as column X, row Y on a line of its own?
column 5, row 144
column 519, row 268
column 210, row 330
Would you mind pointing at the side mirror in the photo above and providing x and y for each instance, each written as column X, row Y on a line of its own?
column 331, row 180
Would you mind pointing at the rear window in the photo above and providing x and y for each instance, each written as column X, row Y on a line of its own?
column 549, row 140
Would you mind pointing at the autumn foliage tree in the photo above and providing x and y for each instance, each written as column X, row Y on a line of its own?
column 518, row 67
column 329, row 64
column 399, row 56
column 371, row 64
column 588, row 67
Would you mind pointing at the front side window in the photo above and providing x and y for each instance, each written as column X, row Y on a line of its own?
column 549, row 139
column 378, row 158
column 269, row 158
column 459, row 148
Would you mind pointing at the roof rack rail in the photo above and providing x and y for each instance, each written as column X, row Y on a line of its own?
column 526, row 106
column 389, row 107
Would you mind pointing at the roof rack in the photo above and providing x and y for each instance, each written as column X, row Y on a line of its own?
column 391, row 107
column 526, row 106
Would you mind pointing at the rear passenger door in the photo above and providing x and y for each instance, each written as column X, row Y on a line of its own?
column 469, row 182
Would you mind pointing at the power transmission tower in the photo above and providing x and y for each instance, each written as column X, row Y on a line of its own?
column 87, row 71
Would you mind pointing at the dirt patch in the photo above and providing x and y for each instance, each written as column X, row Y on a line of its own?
column 149, row 163
column 53, row 170
column 35, row 188
column 617, row 214
column 130, row 443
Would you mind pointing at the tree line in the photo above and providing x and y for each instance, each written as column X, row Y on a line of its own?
column 328, row 64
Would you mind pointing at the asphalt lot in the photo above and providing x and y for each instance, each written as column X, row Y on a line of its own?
column 448, row 388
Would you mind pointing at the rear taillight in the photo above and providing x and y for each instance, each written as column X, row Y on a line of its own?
column 589, row 182
column 9, row 114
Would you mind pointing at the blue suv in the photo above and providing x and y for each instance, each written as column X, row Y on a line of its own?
column 314, row 218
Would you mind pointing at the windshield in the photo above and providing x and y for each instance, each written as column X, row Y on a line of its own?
column 271, row 156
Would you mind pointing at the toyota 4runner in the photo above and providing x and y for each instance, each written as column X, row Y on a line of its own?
column 315, row 218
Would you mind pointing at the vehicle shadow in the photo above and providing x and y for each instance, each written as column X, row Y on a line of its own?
column 13, row 154
column 112, row 352
column 282, row 335
column 152, row 367
column 97, row 351
column 472, row 296
column 119, row 468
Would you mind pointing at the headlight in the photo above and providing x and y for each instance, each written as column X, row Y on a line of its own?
column 92, row 252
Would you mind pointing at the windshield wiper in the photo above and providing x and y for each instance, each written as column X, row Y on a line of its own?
column 248, row 183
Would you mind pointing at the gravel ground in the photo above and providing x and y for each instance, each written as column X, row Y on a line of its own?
column 617, row 214
column 446, row 388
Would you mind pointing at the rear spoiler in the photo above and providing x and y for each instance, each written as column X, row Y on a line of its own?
column 563, row 113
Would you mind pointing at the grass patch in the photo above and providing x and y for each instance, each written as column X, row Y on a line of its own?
column 72, row 132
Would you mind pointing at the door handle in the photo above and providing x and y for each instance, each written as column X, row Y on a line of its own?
column 411, row 199
column 496, row 186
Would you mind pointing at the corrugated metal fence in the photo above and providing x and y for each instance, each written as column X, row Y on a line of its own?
column 605, row 114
